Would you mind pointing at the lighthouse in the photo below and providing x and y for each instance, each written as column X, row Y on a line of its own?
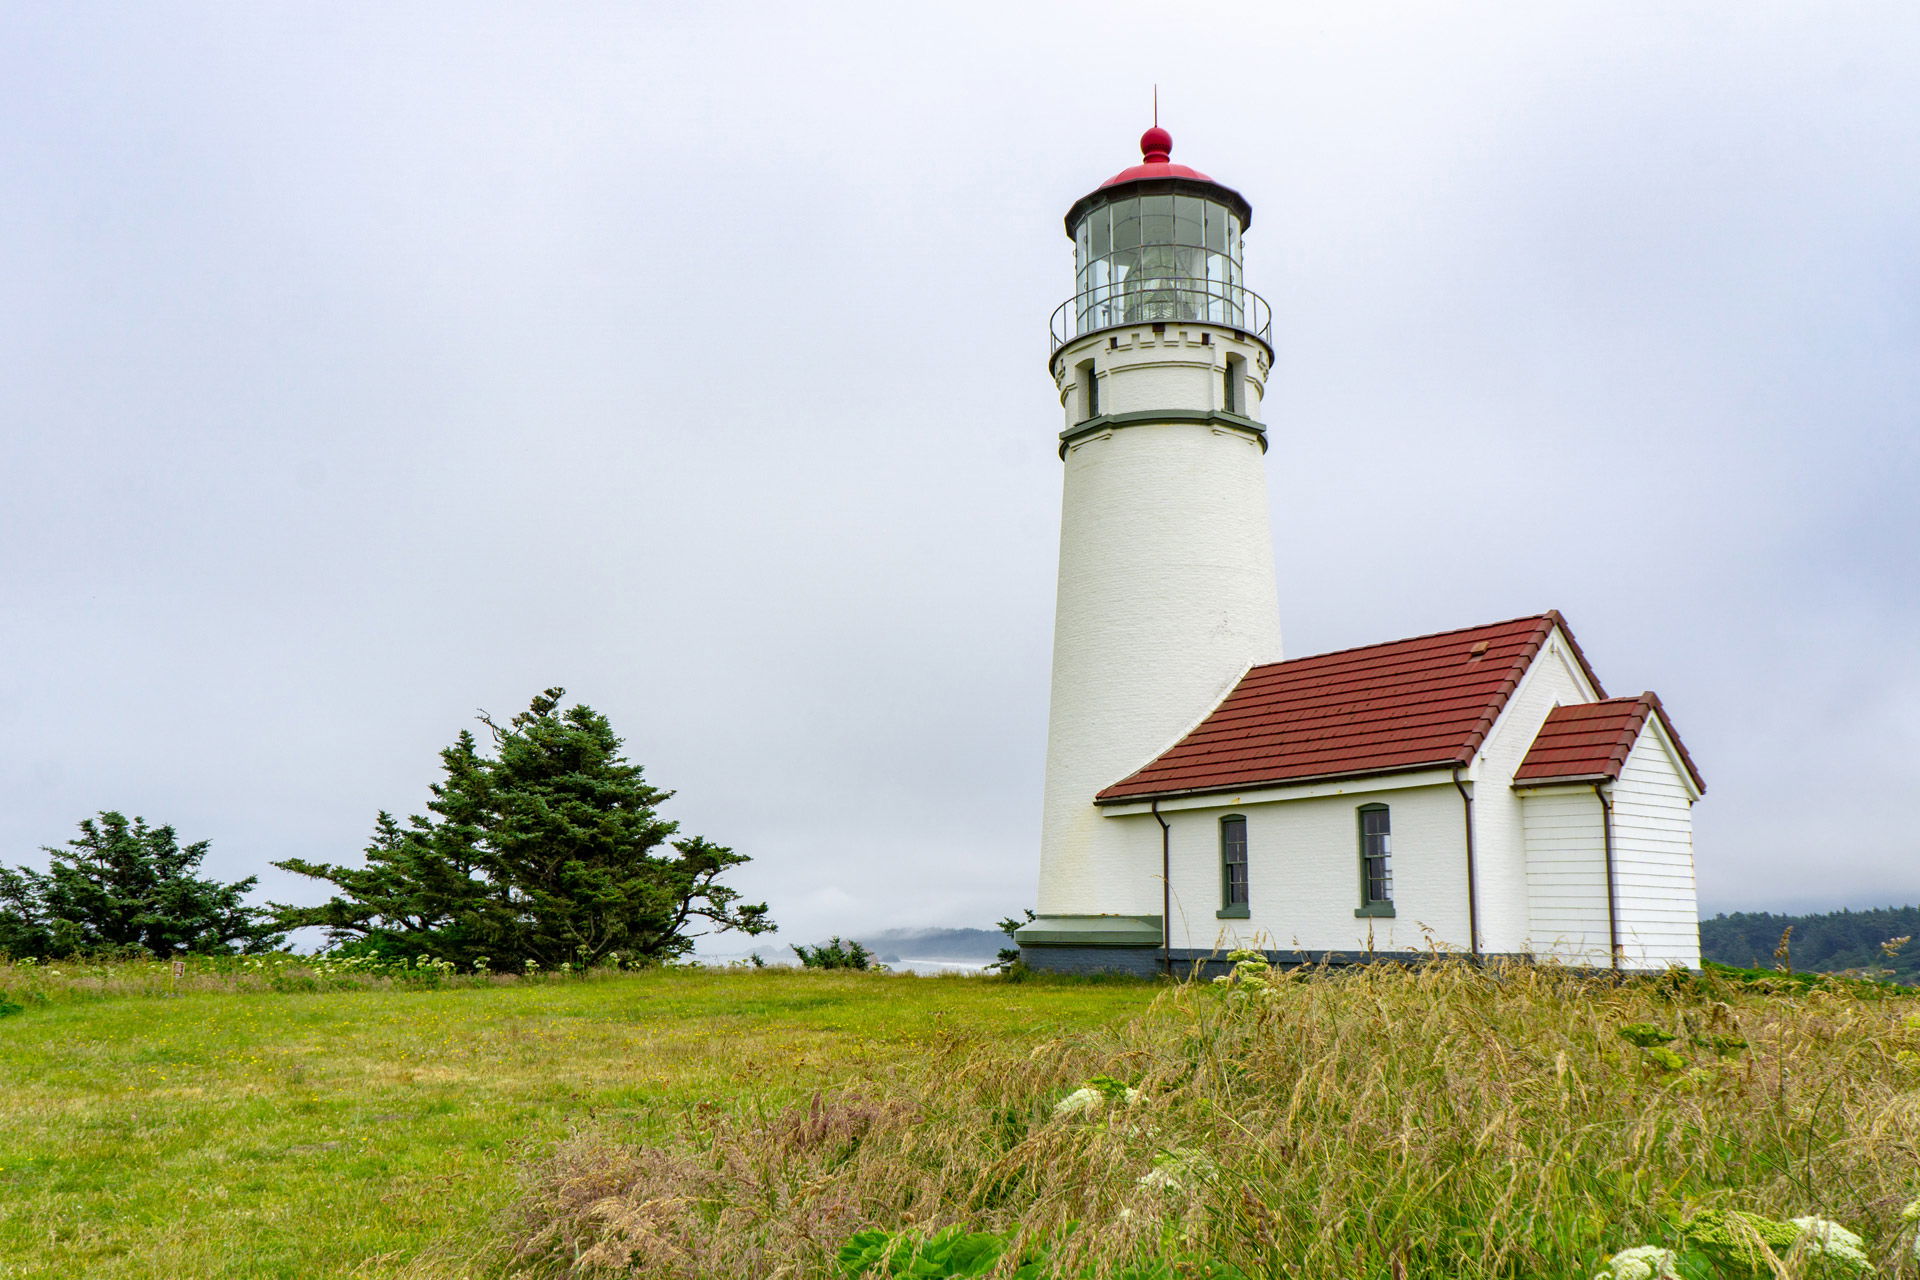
column 1166, row 594
column 1474, row 790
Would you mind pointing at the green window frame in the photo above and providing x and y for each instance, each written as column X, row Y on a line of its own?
column 1234, row 886
column 1375, row 823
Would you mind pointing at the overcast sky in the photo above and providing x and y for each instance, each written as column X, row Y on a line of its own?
column 362, row 366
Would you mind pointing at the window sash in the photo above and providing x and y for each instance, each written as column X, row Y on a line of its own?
column 1379, row 880
column 1233, row 862
column 1376, row 856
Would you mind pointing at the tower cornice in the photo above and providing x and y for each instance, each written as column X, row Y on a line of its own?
column 1216, row 418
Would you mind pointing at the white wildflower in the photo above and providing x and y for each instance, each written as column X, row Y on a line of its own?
column 1087, row 1099
column 1829, row 1233
column 1178, row 1171
column 1835, row 1244
column 1094, row 1097
column 1644, row 1262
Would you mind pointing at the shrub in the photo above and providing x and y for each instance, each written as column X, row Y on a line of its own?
column 957, row 1251
column 1007, row 962
column 836, row 954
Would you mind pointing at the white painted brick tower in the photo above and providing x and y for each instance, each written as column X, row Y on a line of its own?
column 1166, row 559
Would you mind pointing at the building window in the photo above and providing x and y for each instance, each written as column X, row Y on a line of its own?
column 1089, row 391
column 1233, row 380
column 1233, row 867
column 1376, row 861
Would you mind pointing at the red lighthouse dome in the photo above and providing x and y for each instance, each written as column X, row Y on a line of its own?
column 1156, row 166
column 1156, row 144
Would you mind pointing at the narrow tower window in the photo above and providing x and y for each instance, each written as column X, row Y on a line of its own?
column 1376, row 861
column 1233, row 866
column 1089, row 392
column 1236, row 374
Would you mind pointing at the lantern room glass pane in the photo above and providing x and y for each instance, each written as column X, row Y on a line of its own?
column 1102, row 231
column 1188, row 220
column 1190, row 263
column 1126, row 225
column 1156, row 220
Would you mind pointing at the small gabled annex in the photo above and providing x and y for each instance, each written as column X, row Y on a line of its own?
column 1473, row 790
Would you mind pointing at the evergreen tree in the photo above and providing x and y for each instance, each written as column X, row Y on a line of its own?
column 24, row 933
column 1879, row 940
column 548, row 851
column 125, row 887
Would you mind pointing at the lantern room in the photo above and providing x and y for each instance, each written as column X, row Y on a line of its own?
column 1158, row 242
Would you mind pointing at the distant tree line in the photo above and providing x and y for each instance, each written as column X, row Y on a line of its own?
column 1829, row 942
column 545, row 850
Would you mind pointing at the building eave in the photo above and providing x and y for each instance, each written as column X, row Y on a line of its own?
column 1440, row 769
column 1569, row 780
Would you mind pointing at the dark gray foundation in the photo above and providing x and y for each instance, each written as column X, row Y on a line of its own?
column 1149, row 962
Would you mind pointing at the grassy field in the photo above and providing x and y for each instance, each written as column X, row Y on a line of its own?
column 1384, row 1123
column 377, row 1132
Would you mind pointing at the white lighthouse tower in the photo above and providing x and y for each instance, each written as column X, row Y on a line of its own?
column 1166, row 589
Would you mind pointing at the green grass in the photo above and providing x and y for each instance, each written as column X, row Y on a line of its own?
column 1373, row 1124
column 379, row 1131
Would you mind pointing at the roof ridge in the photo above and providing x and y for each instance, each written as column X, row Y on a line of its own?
column 1516, row 672
column 1658, row 708
column 1550, row 614
column 1418, row 702
column 1629, row 733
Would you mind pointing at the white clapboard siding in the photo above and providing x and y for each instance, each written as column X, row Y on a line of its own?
column 1566, row 876
column 1653, row 858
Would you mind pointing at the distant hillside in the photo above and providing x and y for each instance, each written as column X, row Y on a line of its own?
column 935, row 944
column 1827, row 943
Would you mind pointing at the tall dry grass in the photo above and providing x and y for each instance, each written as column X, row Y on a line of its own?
column 1378, row 1122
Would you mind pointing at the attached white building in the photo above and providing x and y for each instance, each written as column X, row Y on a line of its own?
column 1474, row 791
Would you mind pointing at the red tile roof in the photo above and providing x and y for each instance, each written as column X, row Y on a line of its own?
column 1591, row 741
column 1384, row 708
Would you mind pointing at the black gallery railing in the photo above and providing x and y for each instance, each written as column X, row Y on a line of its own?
column 1104, row 306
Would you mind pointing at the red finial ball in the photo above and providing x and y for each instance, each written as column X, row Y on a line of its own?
column 1156, row 144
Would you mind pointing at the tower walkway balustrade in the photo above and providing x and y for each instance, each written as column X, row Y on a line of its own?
column 1159, row 301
